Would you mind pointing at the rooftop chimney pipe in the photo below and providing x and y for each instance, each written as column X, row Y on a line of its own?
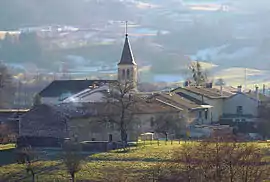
column 263, row 89
column 221, row 90
column 257, row 93
column 239, row 89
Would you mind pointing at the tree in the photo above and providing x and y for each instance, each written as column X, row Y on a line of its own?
column 5, row 134
column 72, row 158
column 166, row 125
column 218, row 159
column 122, row 101
column 7, row 88
column 29, row 47
column 37, row 100
column 26, row 156
column 199, row 76
column 264, row 128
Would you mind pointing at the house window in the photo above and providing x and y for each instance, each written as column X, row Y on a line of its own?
column 239, row 110
column 123, row 74
column 128, row 74
column 206, row 114
column 152, row 122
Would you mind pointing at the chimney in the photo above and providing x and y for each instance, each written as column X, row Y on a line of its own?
column 239, row 89
column 257, row 93
column 264, row 89
column 186, row 84
column 211, row 84
column 221, row 90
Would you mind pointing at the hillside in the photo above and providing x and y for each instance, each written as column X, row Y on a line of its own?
column 16, row 13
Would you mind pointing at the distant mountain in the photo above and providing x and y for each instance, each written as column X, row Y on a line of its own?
column 16, row 13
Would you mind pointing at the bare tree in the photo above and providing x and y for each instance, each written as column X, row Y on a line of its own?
column 37, row 100
column 121, row 103
column 72, row 158
column 26, row 156
column 4, row 133
column 219, row 159
column 6, row 87
column 264, row 128
column 167, row 125
column 198, row 74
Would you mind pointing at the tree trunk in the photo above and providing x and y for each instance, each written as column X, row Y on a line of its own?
column 124, row 137
column 166, row 136
column 33, row 176
column 73, row 177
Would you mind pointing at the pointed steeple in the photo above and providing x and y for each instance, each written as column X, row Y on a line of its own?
column 127, row 56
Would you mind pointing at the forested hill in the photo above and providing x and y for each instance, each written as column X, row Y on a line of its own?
column 20, row 13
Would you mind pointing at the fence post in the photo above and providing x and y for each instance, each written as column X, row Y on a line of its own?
column 171, row 142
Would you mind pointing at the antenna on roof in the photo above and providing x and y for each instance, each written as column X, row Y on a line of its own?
column 245, row 79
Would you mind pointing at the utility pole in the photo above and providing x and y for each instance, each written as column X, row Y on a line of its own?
column 245, row 80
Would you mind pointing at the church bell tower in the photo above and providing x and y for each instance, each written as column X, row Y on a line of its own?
column 127, row 67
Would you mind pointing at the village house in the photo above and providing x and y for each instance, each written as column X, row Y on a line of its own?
column 89, row 121
column 207, row 96
column 233, row 107
column 193, row 111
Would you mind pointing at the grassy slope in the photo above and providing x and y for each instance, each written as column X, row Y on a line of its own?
column 140, row 159
column 7, row 146
column 94, row 166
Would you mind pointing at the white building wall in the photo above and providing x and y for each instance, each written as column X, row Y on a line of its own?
column 50, row 100
column 250, row 106
column 88, row 95
column 216, row 112
column 93, row 97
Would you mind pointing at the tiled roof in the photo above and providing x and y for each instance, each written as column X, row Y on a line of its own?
column 177, row 100
column 253, row 95
column 54, row 117
column 191, row 99
column 59, row 87
column 51, row 120
column 6, row 114
column 45, row 121
column 213, row 93
column 127, row 56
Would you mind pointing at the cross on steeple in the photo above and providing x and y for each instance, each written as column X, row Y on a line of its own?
column 126, row 26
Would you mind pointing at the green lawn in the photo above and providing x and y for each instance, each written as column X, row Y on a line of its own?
column 7, row 146
column 102, row 166
column 139, row 159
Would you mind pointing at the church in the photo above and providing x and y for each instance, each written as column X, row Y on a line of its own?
column 79, row 90
column 69, row 108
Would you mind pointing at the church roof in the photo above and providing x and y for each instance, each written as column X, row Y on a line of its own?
column 60, row 87
column 127, row 56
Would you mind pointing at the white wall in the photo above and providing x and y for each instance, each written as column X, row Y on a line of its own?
column 92, row 95
column 50, row 100
column 217, row 110
column 250, row 106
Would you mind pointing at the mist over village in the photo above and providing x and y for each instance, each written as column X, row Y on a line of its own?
column 134, row 90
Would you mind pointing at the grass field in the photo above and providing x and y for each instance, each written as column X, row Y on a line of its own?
column 101, row 166
column 139, row 159
column 7, row 146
